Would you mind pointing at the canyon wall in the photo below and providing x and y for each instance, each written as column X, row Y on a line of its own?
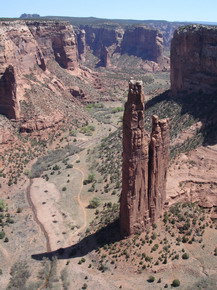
column 145, row 164
column 143, row 42
column 106, row 40
column 194, row 60
column 25, row 49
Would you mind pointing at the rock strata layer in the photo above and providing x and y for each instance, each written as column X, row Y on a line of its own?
column 26, row 47
column 145, row 165
column 107, row 41
column 194, row 60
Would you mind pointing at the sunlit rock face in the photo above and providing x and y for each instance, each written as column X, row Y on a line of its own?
column 145, row 165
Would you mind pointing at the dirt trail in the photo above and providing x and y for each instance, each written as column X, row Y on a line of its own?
column 34, row 210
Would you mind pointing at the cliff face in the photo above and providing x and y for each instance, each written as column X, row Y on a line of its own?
column 9, row 105
column 143, row 42
column 140, row 41
column 145, row 165
column 56, row 40
column 25, row 48
column 194, row 59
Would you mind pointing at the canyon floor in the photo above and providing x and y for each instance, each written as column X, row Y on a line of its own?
column 58, row 224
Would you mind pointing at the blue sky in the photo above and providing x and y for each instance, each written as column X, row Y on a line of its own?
column 171, row 10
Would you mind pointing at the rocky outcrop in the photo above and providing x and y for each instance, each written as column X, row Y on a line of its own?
column 25, row 49
column 81, row 39
column 144, row 167
column 9, row 105
column 194, row 60
column 143, row 42
column 40, row 124
column 77, row 93
column 56, row 40
column 158, row 164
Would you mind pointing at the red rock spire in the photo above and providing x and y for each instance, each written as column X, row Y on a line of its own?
column 145, row 165
column 134, row 196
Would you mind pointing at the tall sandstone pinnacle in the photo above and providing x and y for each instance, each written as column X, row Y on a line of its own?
column 145, row 165
column 134, row 198
column 158, row 164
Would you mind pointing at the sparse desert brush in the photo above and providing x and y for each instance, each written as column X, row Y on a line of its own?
column 94, row 203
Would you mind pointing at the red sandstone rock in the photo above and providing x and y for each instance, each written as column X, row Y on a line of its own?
column 134, row 212
column 145, row 165
column 9, row 105
column 194, row 59
column 25, row 49
column 158, row 164
column 143, row 42
column 56, row 40
column 40, row 124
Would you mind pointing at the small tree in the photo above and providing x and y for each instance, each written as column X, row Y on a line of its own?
column 151, row 279
column 175, row 283
column 185, row 256
column 94, row 203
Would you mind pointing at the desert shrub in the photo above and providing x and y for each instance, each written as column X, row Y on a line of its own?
column 19, row 276
column 2, row 235
column 2, row 205
column 185, row 256
column 84, row 286
column 56, row 167
column 91, row 178
column 151, row 279
column 117, row 109
column 51, row 158
column 64, row 188
column 69, row 166
column 87, row 130
column 94, row 203
column 155, row 247
column 175, row 283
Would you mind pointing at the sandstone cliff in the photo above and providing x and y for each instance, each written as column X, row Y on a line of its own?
column 30, row 88
column 145, row 164
column 194, row 60
column 106, row 41
column 143, row 42
column 9, row 105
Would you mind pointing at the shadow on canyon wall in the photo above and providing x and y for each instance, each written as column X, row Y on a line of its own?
column 202, row 107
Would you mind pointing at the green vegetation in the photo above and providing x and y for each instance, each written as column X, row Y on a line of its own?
column 175, row 283
column 87, row 130
column 19, row 275
column 90, row 179
column 185, row 256
column 94, row 203
column 151, row 279
column 52, row 157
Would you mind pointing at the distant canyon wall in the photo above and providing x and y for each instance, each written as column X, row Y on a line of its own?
column 194, row 60
column 105, row 41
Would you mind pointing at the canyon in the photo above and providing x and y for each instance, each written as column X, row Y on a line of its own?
column 70, row 220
